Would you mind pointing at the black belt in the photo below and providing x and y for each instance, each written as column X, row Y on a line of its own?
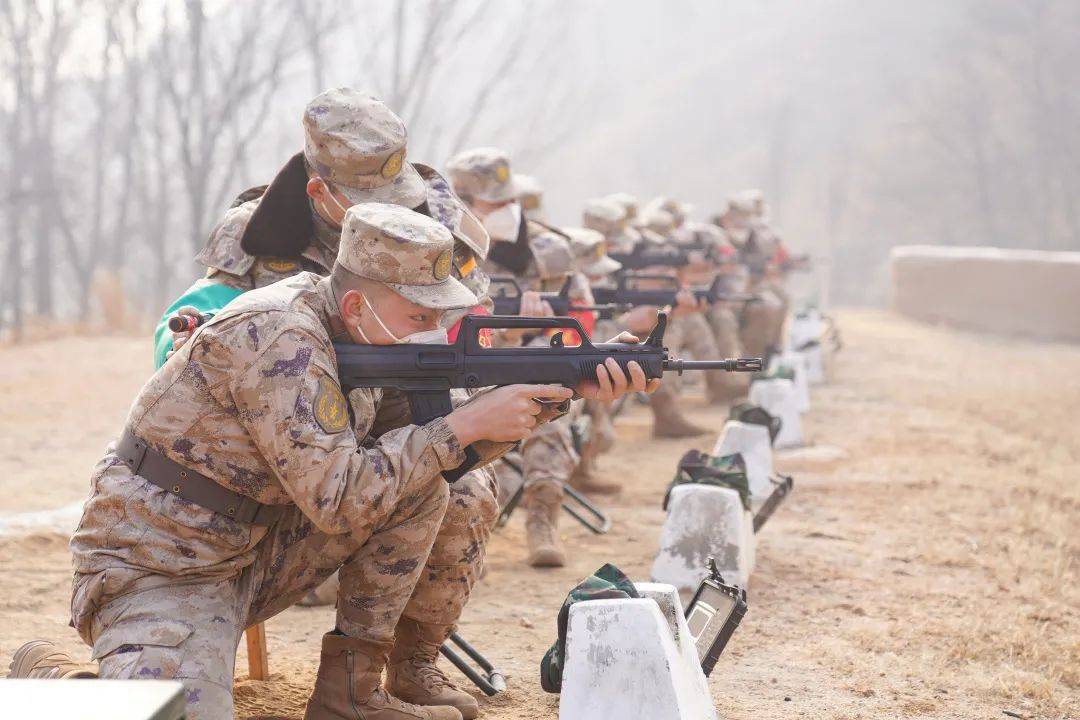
column 192, row 486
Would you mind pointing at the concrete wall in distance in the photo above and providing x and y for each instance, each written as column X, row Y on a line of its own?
column 1011, row 292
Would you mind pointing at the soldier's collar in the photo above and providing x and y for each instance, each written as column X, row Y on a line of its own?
column 329, row 311
column 323, row 250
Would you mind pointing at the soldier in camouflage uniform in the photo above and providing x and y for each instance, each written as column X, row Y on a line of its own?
column 354, row 151
column 531, row 196
column 592, row 262
column 239, row 483
column 539, row 255
column 762, row 321
column 615, row 216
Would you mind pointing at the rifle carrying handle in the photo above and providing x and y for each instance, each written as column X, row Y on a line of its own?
column 499, row 322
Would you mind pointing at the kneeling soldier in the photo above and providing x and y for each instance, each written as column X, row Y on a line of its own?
column 238, row 483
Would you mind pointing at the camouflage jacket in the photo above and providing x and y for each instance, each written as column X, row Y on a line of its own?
column 227, row 263
column 252, row 401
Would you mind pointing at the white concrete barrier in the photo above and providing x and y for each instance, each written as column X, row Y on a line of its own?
column 704, row 521
column 805, row 327
column 778, row 397
column 814, row 358
column 797, row 363
column 671, row 607
column 1011, row 292
column 623, row 662
column 752, row 442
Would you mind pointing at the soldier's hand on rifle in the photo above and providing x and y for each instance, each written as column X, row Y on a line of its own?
column 181, row 337
column 611, row 382
column 533, row 306
column 685, row 303
column 640, row 320
column 505, row 414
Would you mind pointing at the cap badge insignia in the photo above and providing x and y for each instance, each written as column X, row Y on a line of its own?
column 392, row 166
column 441, row 269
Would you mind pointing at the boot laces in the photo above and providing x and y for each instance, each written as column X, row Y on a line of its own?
column 428, row 673
column 381, row 697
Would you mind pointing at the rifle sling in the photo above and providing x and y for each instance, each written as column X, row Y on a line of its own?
column 192, row 486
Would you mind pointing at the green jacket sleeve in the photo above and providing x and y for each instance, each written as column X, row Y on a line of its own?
column 204, row 295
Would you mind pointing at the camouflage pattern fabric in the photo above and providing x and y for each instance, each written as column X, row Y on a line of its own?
column 607, row 583
column 722, row 471
column 483, row 173
column 252, row 402
column 356, row 142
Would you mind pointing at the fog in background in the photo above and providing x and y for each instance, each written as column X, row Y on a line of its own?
column 128, row 127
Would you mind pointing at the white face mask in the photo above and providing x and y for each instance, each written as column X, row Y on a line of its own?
column 437, row 336
column 332, row 197
column 503, row 223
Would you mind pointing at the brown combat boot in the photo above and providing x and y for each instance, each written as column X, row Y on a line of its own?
column 40, row 660
column 542, row 503
column 347, row 687
column 668, row 422
column 412, row 673
column 584, row 479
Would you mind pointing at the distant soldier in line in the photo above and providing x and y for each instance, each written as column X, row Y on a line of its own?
column 615, row 218
column 539, row 256
column 757, row 247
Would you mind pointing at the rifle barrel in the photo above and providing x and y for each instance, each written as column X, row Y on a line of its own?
column 730, row 365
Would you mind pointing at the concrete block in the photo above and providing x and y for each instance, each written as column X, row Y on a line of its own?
column 797, row 363
column 752, row 442
column 704, row 521
column 624, row 663
column 814, row 358
column 671, row 607
column 778, row 398
column 805, row 327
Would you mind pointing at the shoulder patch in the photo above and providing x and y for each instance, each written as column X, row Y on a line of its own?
column 330, row 410
column 281, row 265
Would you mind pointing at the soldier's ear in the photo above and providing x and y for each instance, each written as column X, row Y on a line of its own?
column 315, row 188
column 351, row 306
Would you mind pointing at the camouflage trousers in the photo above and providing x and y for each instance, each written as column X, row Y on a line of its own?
column 725, row 327
column 545, row 460
column 762, row 322
column 149, row 625
column 694, row 335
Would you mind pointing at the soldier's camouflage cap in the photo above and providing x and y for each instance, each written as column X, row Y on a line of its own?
column 590, row 252
column 529, row 191
column 482, row 173
column 603, row 215
column 628, row 202
column 354, row 141
column 409, row 252
column 747, row 202
column 552, row 255
column 677, row 210
column 659, row 221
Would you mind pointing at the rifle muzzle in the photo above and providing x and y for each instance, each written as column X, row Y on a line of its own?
column 729, row 365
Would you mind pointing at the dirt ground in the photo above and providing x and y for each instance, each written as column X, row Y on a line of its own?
column 932, row 572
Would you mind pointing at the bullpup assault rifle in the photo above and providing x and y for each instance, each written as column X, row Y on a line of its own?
column 505, row 292
column 426, row 373
column 646, row 255
column 628, row 292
